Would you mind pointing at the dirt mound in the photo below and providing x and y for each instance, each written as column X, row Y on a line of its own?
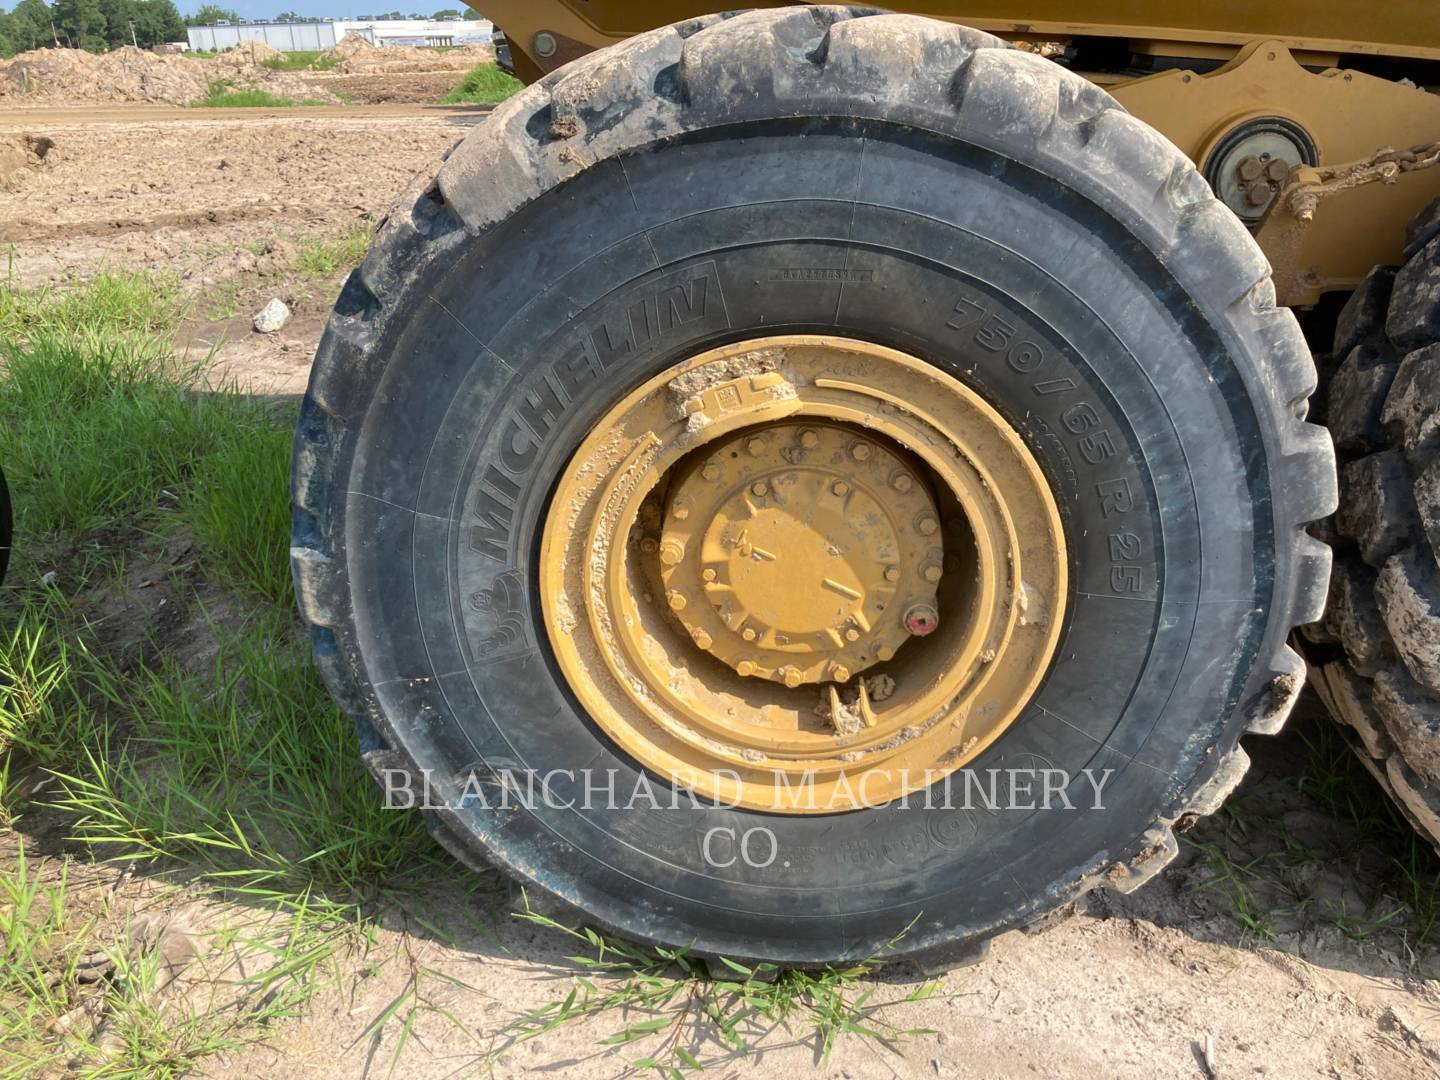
column 354, row 55
column 21, row 156
column 62, row 76
column 249, row 53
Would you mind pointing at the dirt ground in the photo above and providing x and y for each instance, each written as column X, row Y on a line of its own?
column 1131, row 987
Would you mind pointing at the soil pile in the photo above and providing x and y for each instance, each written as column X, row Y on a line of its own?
column 62, row 76
column 249, row 54
column 354, row 55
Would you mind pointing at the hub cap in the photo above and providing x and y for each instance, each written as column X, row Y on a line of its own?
column 803, row 564
column 791, row 552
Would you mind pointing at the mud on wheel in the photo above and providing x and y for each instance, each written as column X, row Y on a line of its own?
column 812, row 394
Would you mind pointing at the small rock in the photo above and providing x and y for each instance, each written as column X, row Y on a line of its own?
column 272, row 317
column 49, row 577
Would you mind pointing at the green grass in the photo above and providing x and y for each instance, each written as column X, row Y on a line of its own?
column 301, row 60
column 484, row 84
column 223, row 95
column 671, row 1009
column 325, row 256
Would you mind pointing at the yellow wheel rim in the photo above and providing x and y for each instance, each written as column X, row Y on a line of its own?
column 803, row 574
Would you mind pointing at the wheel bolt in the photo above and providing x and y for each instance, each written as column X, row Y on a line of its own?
column 759, row 488
column 745, row 667
column 671, row 552
column 922, row 619
column 901, row 482
column 840, row 487
column 708, row 574
column 648, row 545
column 884, row 652
column 809, row 439
column 748, row 633
column 701, row 638
column 680, row 511
column 839, row 673
column 755, row 446
column 892, row 573
column 791, row 675
column 851, row 634
column 927, row 525
column 676, row 600
column 860, row 451
column 931, row 573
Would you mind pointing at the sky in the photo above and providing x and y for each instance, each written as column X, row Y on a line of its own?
column 333, row 9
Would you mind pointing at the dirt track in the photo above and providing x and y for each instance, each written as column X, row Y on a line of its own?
column 1132, row 988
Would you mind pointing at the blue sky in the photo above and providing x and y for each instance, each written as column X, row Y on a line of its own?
column 334, row 9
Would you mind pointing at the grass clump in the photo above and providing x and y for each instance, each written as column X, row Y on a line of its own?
column 484, row 84
column 223, row 95
column 301, row 60
column 324, row 256
column 671, row 1006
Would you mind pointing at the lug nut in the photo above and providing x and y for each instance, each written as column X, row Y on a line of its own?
column 851, row 634
column 1249, row 168
column 1258, row 193
column 1277, row 170
column 701, row 638
column 840, row 487
column 745, row 667
column 809, row 439
column 927, row 525
column 860, row 451
column 676, row 600
column 755, row 446
column 839, row 673
column 710, row 472
column 649, row 546
column 892, row 573
column 931, row 573
column 791, row 675
column 671, row 552
column 901, row 482
column 884, row 652
column 921, row 619
column 708, row 574
column 748, row 633
column 759, row 488
column 680, row 511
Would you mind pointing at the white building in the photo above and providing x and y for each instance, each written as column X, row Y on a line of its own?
column 322, row 35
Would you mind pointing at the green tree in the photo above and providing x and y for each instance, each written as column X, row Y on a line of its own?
column 31, row 26
column 156, row 22
column 471, row 15
column 288, row 16
column 118, row 16
column 81, row 23
column 207, row 14
column 446, row 13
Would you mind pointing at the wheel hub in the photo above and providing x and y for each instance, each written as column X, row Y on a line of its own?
column 793, row 552
column 803, row 563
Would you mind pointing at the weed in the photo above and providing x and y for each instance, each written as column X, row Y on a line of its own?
column 301, row 60
column 484, row 84
column 223, row 95
column 323, row 257
column 684, row 1007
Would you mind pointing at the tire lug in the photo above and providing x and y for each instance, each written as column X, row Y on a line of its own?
column 901, row 482
column 860, row 451
column 671, row 552
column 791, row 675
column 676, row 600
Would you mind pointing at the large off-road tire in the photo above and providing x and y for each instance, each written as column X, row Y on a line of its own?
column 912, row 186
column 1383, row 407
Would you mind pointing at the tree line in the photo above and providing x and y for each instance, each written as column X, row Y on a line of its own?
column 96, row 25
